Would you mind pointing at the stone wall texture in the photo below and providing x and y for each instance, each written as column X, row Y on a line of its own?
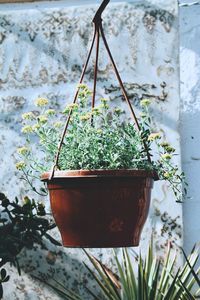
column 42, row 50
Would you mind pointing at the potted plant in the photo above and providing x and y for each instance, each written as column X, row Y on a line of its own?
column 100, row 185
column 101, row 193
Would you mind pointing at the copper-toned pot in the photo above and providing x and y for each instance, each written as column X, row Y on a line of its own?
column 100, row 208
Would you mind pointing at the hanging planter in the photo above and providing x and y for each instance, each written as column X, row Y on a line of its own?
column 100, row 208
column 100, row 184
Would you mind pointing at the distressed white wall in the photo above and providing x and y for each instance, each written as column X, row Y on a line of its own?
column 190, row 118
column 42, row 48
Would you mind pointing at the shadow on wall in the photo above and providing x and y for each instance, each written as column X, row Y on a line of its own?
column 190, row 117
column 54, row 265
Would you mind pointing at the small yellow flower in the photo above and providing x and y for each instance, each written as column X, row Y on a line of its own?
column 66, row 110
column 154, row 136
column 143, row 115
column 43, row 119
column 83, row 92
column 104, row 105
column 50, row 112
column 99, row 131
column 170, row 149
column 72, row 106
column 82, row 86
column 104, row 100
column 36, row 126
column 23, row 150
column 96, row 111
column 20, row 165
column 28, row 116
column 85, row 117
column 145, row 102
column 40, row 102
column 42, row 141
column 166, row 156
column 118, row 111
column 166, row 174
column 164, row 144
column 57, row 125
column 27, row 129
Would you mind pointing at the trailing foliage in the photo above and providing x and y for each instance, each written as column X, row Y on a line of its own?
column 100, row 138
column 21, row 226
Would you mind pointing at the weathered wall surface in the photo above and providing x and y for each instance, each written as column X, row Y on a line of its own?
column 190, row 117
column 42, row 49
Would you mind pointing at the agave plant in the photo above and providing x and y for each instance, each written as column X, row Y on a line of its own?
column 151, row 279
column 154, row 279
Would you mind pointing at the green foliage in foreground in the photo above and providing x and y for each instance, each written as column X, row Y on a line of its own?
column 138, row 279
column 21, row 226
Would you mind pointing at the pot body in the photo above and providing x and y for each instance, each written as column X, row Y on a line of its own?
column 100, row 209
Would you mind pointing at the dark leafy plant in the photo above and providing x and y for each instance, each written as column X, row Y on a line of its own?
column 21, row 226
column 3, row 278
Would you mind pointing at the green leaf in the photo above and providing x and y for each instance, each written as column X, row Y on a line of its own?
column 52, row 240
column 192, row 268
column 1, row 291
column 3, row 274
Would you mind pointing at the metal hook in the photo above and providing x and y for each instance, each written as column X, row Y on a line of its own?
column 97, row 18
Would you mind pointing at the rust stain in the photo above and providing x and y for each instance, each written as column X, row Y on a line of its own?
column 116, row 225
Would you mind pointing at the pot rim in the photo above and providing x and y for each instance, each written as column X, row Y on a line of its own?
column 99, row 173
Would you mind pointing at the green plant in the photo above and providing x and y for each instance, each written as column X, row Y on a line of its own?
column 3, row 278
column 195, row 274
column 21, row 226
column 100, row 138
column 154, row 278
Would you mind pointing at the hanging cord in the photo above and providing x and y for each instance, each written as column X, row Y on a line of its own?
column 98, row 28
column 123, row 89
column 95, row 69
column 70, row 113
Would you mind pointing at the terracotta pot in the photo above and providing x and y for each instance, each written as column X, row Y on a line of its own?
column 100, row 208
